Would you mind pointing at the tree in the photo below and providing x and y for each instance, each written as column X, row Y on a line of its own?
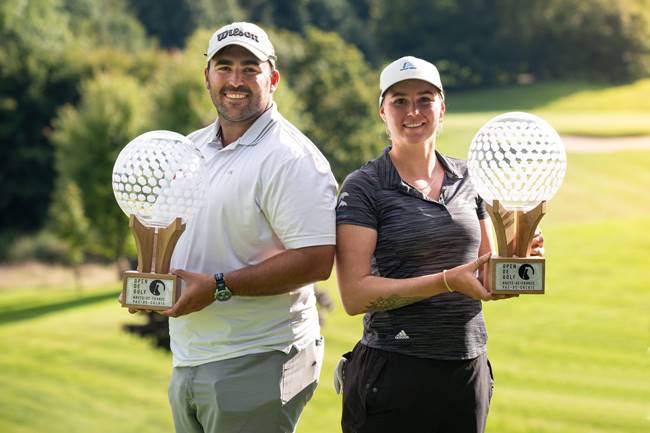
column 173, row 21
column 291, row 15
column 463, row 37
column 340, row 92
column 35, row 76
column 594, row 39
column 99, row 23
column 69, row 222
column 181, row 101
column 40, row 70
column 479, row 43
column 347, row 18
column 113, row 110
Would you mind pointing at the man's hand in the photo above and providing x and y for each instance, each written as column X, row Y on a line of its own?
column 197, row 293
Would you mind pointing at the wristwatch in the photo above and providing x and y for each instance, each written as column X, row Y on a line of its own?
column 222, row 293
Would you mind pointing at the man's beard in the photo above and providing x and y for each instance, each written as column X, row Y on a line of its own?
column 251, row 110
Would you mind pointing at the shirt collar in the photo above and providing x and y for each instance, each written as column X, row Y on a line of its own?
column 450, row 166
column 256, row 131
column 390, row 177
column 216, row 143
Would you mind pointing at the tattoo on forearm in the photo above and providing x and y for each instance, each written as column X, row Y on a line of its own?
column 390, row 303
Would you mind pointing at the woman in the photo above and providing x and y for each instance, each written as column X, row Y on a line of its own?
column 412, row 233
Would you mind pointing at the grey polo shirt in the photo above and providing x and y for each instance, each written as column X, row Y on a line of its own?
column 417, row 236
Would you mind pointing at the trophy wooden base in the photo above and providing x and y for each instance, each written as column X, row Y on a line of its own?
column 517, row 276
column 513, row 271
column 149, row 291
column 152, row 287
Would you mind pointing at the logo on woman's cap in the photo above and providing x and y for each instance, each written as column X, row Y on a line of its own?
column 407, row 65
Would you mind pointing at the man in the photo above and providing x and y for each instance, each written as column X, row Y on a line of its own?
column 244, row 333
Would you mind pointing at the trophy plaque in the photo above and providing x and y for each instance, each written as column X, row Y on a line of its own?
column 159, row 182
column 516, row 162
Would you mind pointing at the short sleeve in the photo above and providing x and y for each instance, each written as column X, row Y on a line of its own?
column 356, row 204
column 298, row 200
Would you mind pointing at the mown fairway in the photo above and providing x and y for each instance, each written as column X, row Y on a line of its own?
column 574, row 360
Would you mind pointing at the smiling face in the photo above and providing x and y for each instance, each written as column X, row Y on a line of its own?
column 240, row 85
column 412, row 111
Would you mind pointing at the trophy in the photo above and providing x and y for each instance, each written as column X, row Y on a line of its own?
column 517, row 163
column 159, row 182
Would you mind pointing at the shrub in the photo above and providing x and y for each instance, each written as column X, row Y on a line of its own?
column 43, row 246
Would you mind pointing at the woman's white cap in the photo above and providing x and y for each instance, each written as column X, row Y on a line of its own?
column 409, row 68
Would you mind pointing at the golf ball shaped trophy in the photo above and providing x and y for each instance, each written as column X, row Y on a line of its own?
column 159, row 182
column 517, row 163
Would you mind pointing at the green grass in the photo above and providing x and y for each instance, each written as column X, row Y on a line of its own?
column 572, row 108
column 573, row 360
column 66, row 366
column 560, row 97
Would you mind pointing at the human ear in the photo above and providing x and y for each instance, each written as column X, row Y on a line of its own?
column 275, row 80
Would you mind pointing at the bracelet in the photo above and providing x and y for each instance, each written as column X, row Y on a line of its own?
column 444, row 278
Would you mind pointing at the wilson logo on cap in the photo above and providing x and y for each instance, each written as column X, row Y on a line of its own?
column 237, row 32
column 246, row 35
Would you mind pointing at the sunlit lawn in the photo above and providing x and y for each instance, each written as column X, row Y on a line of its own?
column 571, row 108
column 573, row 360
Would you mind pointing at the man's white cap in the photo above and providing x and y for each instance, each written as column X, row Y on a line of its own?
column 409, row 68
column 246, row 35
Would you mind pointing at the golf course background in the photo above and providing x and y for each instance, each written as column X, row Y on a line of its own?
column 574, row 360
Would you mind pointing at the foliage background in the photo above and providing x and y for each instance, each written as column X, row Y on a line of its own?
column 80, row 78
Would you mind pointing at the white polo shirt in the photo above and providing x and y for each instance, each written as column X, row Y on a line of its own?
column 269, row 191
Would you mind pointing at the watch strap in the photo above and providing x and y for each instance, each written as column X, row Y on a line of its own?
column 221, row 292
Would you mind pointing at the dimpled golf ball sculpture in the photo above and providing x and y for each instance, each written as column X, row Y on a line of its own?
column 518, row 159
column 158, row 177
column 159, row 181
column 516, row 162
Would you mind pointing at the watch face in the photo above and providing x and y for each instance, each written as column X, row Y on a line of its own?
column 223, row 295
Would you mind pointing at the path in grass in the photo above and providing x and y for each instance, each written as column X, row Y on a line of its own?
column 37, row 275
column 605, row 144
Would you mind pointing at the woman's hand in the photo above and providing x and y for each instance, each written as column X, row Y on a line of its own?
column 132, row 310
column 537, row 245
column 463, row 279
